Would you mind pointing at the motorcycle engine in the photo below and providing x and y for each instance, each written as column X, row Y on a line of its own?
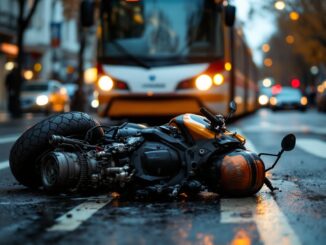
column 155, row 159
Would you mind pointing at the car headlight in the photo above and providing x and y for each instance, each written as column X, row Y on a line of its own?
column 304, row 100
column 263, row 99
column 204, row 82
column 273, row 101
column 95, row 103
column 105, row 83
column 42, row 100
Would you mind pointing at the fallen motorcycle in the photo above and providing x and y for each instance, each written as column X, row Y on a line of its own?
column 190, row 154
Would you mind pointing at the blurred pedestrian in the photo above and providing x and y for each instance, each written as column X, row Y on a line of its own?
column 12, row 84
column 311, row 94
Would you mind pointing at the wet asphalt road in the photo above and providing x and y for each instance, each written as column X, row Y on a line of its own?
column 294, row 215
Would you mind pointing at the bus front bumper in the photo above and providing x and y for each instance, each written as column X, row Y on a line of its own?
column 141, row 106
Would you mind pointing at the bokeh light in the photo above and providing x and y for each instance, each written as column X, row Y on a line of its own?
column 289, row 39
column 266, row 48
column 228, row 66
column 28, row 74
column 279, row 5
column 267, row 82
column 9, row 65
column 268, row 62
column 294, row 16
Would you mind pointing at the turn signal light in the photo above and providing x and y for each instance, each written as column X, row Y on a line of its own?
column 273, row 101
column 218, row 79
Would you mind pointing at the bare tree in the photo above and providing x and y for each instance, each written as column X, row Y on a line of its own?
column 22, row 24
column 308, row 28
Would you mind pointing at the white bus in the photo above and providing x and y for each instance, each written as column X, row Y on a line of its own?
column 167, row 57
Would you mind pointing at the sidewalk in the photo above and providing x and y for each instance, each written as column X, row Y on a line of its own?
column 6, row 118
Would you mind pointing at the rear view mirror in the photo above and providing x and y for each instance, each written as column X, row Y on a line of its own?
column 288, row 142
column 229, row 15
column 232, row 109
column 87, row 9
column 233, row 106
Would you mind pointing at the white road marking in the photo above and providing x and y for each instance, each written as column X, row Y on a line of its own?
column 237, row 210
column 313, row 146
column 272, row 224
column 9, row 139
column 4, row 165
column 76, row 216
column 284, row 128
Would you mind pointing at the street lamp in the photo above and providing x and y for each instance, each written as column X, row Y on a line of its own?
column 294, row 16
column 28, row 74
column 314, row 70
column 279, row 5
column 289, row 39
column 268, row 62
column 267, row 82
column 266, row 48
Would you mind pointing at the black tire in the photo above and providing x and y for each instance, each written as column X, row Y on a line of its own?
column 35, row 141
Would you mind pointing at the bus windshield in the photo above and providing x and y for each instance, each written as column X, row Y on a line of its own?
column 160, row 31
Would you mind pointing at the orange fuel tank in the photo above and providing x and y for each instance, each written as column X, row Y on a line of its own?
column 198, row 127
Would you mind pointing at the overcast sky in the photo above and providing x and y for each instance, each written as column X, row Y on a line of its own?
column 258, row 29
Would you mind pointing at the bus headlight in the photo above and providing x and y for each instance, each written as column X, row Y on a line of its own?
column 273, row 101
column 204, row 82
column 263, row 99
column 105, row 83
column 42, row 100
column 218, row 79
column 304, row 100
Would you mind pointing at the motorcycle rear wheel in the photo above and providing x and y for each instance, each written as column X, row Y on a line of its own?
column 26, row 151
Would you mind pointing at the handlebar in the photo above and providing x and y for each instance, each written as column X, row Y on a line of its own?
column 215, row 121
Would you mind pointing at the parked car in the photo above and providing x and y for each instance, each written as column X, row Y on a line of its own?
column 288, row 98
column 71, row 89
column 44, row 96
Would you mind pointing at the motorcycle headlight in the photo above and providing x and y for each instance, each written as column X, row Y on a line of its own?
column 204, row 82
column 105, row 83
column 42, row 100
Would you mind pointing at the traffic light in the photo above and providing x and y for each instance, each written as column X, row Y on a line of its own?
column 295, row 83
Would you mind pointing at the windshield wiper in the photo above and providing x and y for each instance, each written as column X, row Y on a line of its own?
column 129, row 55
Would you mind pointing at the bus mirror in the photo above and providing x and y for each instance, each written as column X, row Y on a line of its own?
column 229, row 14
column 87, row 13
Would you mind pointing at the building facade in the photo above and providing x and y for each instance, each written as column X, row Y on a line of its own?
column 8, row 48
column 51, row 43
